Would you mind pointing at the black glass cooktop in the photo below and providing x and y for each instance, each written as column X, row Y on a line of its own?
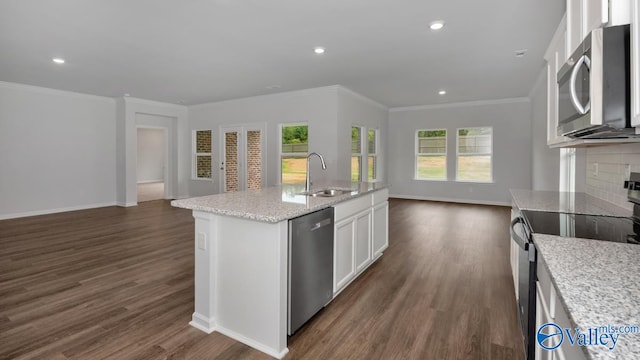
column 605, row 228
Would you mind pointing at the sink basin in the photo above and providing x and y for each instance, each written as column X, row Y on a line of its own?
column 327, row 193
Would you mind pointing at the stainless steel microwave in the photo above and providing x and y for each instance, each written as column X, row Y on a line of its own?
column 594, row 93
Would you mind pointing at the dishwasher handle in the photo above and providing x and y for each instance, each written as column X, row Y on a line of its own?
column 321, row 224
column 514, row 235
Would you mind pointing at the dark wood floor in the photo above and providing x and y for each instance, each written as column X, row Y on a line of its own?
column 118, row 283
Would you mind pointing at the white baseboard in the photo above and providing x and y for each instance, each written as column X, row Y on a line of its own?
column 202, row 323
column 53, row 211
column 126, row 204
column 150, row 181
column 254, row 344
column 461, row 201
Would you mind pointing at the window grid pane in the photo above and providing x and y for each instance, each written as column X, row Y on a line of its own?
column 474, row 159
column 203, row 141
column 371, row 141
column 293, row 153
column 203, row 166
column 431, row 154
column 356, row 146
column 355, row 168
column 294, row 169
column 372, row 162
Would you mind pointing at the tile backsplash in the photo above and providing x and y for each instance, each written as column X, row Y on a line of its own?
column 607, row 169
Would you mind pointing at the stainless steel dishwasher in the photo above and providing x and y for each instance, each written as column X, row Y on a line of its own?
column 310, row 266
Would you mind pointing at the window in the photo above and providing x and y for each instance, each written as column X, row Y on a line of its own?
column 431, row 154
column 356, row 153
column 202, row 144
column 475, row 146
column 294, row 148
column 372, row 155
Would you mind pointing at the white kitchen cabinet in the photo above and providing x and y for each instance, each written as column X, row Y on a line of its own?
column 555, row 57
column 549, row 309
column 363, row 240
column 586, row 15
column 344, row 268
column 360, row 236
column 380, row 226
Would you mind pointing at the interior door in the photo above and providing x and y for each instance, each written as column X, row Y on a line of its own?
column 242, row 149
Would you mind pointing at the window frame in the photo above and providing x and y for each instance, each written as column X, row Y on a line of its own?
column 195, row 154
column 417, row 154
column 479, row 154
column 281, row 154
column 375, row 154
column 360, row 154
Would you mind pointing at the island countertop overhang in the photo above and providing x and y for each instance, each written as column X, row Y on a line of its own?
column 276, row 203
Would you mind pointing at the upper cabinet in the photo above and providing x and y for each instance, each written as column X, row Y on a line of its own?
column 581, row 18
column 586, row 15
column 555, row 57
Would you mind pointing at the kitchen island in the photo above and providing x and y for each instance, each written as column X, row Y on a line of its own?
column 583, row 283
column 241, row 255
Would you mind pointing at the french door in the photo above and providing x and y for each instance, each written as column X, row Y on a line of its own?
column 242, row 153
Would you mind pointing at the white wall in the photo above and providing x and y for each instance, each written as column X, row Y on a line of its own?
column 355, row 109
column 151, row 155
column 57, row 150
column 317, row 107
column 545, row 162
column 510, row 119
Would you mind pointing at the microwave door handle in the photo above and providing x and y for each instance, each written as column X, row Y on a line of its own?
column 572, row 85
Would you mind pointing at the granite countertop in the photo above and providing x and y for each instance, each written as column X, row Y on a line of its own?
column 276, row 203
column 597, row 283
column 569, row 202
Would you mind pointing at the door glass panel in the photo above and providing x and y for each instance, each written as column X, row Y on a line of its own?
column 231, row 161
column 254, row 160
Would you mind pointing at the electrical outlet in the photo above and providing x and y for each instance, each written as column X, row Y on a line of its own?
column 202, row 241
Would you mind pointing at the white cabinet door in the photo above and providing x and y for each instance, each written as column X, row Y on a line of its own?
column 555, row 57
column 380, row 233
column 635, row 63
column 344, row 266
column 595, row 14
column 363, row 240
column 574, row 26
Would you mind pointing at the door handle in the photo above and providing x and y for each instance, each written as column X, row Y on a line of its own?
column 572, row 85
column 320, row 224
column 520, row 241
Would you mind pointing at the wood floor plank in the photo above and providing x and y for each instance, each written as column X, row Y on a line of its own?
column 117, row 283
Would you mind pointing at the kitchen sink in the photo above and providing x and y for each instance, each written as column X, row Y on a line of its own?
column 327, row 193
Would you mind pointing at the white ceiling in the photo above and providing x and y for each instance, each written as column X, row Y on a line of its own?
column 200, row 51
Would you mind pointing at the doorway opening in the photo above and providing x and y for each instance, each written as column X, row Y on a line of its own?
column 151, row 163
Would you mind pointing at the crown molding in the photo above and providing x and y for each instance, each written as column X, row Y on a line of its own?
column 50, row 91
column 462, row 104
column 133, row 100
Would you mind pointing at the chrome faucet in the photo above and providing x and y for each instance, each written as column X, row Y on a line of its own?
column 307, row 185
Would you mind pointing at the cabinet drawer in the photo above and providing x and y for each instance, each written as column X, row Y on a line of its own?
column 352, row 207
column 380, row 196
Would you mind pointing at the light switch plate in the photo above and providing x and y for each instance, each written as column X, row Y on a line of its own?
column 202, row 241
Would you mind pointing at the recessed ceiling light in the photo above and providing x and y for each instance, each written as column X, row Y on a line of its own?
column 126, row 95
column 436, row 25
column 318, row 50
column 521, row 53
column 442, row 92
column 58, row 60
